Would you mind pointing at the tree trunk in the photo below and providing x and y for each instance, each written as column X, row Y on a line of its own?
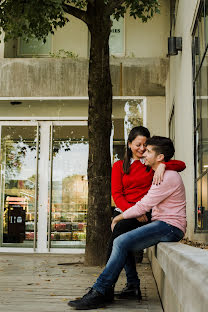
column 99, row 130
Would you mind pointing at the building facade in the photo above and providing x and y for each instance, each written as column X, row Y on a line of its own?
column 186, row 107
column 43, row 121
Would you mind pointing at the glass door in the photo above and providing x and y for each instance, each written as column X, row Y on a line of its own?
column 19, row 171
column 69, row 185
column 43, row 176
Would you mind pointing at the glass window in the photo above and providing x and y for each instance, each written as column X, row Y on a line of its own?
column 196, row 49
column 69, row 186
column 172, row 126
column 206, row 21
column 126, row 115
column 116, row 41
column 199, row 205
column 201, row 32
column 200, row 58
column 204, row 192
column 204, row 135
column 34, row 47
column 18, row 185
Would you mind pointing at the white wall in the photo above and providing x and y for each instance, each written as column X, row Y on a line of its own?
column 156, row 112
column 72, row 37
column 148, row 39
column 180, row 91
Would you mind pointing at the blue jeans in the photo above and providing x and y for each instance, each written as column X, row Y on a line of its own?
column 138, row 239
column 122, row 227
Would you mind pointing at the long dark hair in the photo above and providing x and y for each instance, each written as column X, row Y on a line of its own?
column 132, row 136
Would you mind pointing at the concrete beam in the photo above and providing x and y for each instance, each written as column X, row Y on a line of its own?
column 29, row 77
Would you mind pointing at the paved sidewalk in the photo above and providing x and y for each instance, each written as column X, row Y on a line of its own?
column 45, row 283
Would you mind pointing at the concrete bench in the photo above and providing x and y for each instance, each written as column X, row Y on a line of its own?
column 181, row 273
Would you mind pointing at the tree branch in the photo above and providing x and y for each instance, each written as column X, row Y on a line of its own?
column 78, row 13
column 92, row 2
column 114, row 4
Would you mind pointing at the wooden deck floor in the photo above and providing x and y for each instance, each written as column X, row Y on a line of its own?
column 45, row 283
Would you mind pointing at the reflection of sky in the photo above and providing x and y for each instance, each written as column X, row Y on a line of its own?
column 68, row 163
column 28, row 165
column 65, row 163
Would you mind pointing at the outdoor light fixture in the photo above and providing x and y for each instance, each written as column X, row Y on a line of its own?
column 15, row 103
column 174, row 45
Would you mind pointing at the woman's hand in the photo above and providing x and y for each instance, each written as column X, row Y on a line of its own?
column 116, row 220
column 142, row 218
column 159, row 174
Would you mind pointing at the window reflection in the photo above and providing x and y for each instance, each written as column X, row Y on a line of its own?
column 127, row 114
column 18, row 161
column 69, row 186
column 200, row 41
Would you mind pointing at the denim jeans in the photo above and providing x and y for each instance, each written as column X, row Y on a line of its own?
column 122, row 227
column 138, row 239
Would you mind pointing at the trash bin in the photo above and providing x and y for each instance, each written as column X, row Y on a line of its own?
column 16, row 224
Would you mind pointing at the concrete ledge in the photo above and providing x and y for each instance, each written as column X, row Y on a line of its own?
column 181, row 273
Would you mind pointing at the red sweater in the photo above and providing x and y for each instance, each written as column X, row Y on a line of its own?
column 127, row 189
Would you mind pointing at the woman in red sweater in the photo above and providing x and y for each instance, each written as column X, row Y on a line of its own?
column 130, row 181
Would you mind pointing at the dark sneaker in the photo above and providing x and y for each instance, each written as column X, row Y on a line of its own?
column 92, row 300
column 130, row 292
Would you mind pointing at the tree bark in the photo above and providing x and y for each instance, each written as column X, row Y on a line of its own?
column 99, row 130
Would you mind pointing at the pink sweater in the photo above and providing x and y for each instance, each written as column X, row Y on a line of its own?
column 167, row 201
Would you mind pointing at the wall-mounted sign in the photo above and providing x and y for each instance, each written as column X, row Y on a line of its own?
column 116, row 42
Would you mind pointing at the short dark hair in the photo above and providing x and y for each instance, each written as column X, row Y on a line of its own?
column 162, row 145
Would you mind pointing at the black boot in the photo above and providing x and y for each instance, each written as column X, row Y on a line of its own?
column 109, row 294
column 130, row 292
column 139, row 255
column 92, row 300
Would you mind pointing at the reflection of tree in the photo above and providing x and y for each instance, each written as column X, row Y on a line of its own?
column 134, row 115
column 13, row 155
column 65, row 145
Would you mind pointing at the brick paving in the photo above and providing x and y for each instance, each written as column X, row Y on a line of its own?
column 45, row 283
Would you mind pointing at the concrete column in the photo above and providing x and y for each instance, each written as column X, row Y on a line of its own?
column 44, row 186
column 2, row 45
